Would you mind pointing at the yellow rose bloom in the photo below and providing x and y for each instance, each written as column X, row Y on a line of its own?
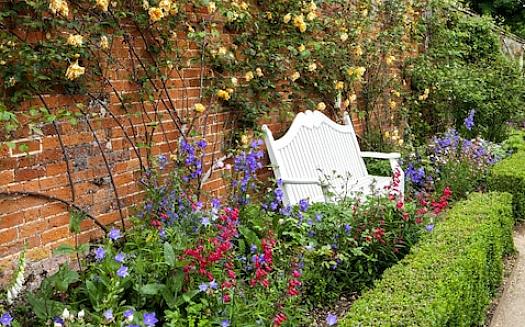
column 211, row 7
column 295, row 76
column 396, row 93
column 358, row 52
column 199, row 107
column 424, row 96
column 311, row 6
column 234, row 81
column 224, row 95
column 298, row 22
column 103, row 5
column 259, row 72
column 352, row 98
column 165, row 5
column 244, row 139
column 311, row 16
column 243, row 5
column 155, row 14
column 269, row 15
column 343, row 36
column 248, row 76
column 312, row 67
column 301, row 48
column 287, row 18
column 222, row 51
column 392, row 104
column 346, row 103
column 104, row 43
column 321, row 106
column 74, row 71
column 390, row 60
column 364, row 12
column 59, row 7
column 145, row 4
column 75, row 40
column 339, row 85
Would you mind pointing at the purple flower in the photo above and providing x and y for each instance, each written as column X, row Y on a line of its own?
column 225, row 323
column 128, row 315
column 120, row 257
column 6, row 319
column 162, row 160
column 213, row 284
column 202, row 144
column 318, row 217
column 429, row 227
column 150, row 319
column 203, row 287
column 57, row 321
column 205, row 221
column 122, row 272
column 108, row 315
column 303, row 205
column 348, row 228
column 114, row 234
column 331, row 319
column 469, row 121
column 100, row 253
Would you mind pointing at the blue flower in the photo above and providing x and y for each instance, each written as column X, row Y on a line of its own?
column 100, row 253
column 128, row 315
column 348, row 228
column 120, row 257
column 469, row 121
column 205, row 221
column 303, row 205
column 122, row 272
column 150, row 319
column 203, row 287
column 162, row 160
column 331, row 319
column 6, row 319
column 108, row 315
column 57, row 321
column 225, row 323
column 114, row 234
column 429, row 227
column 213, row 284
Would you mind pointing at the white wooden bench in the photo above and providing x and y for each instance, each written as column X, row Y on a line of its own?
column 315, row 147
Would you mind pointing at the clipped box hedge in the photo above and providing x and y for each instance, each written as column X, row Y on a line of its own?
column 449, row 278
column 508, row 175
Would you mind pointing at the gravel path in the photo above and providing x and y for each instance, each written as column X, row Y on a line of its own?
column 510, row 311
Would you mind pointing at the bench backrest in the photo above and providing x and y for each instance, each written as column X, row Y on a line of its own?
column 314, row 146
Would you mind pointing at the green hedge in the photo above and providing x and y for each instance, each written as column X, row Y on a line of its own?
column 508, row 175
column 450, row 276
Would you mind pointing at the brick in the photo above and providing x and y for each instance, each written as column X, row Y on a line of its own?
column 55, row 234
column 29, row 173
column 32, row 229
column 59, row 220
column 8, row 236
column 6, row 177
column 11, row 220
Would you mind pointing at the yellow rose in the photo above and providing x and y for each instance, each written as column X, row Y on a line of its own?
column 392, row 104
column 243, row 5
column 234, row 81
column 244, row 139
column 358, row 51
column 295, row 76
column 211, row 7
column 396, row 93
column 344, row 37
column 224, row 95
column 145, row 4
column 103, row 5
column 74, row 71
column 311, row 16
column 400, row 142
column 75, row 40
column 364, row 12
column 155, row 14
column 301, row 48
column 59, row 7
column 259, row 72
column 222, row 51
column 387, row 134
column 165, row 5
column 346, row 103
column 390, row 60
column 311, row 6
column 199, row 107
column 287, row 18
column 321, row 106
column 424, row 96
column 339, row 85
column 104, row 43
column 248, row 76
column 352, row 98
column 312, row 67
column 298, row 22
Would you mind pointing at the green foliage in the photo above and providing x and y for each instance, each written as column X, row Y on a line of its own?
column 464, row 69
column 509, row 13
column 449, row 277
column 509, row 176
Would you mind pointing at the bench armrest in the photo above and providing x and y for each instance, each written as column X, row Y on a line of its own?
column 380, row 155
column 301, row 181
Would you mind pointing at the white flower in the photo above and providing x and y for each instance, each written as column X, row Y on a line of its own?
column 81, row 314
column 65, row 314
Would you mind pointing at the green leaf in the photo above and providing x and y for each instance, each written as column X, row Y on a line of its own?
column 151, row 289
column 169, row 254
column 64, row 249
